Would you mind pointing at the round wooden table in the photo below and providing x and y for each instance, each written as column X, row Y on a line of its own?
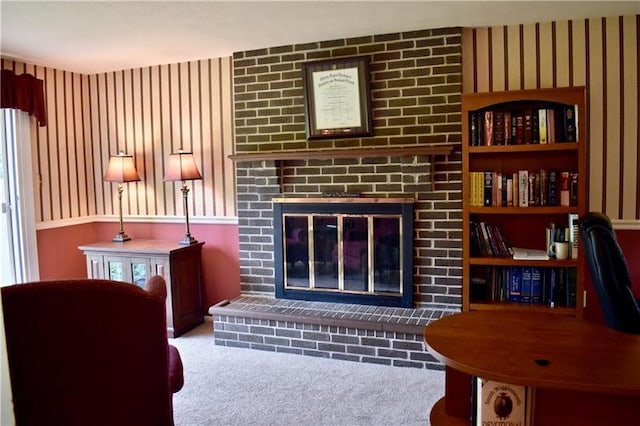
column 579, row 370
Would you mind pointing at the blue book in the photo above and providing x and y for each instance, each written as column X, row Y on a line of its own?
column 552, row 287
column 526, row 284
column 536, row 284
column 515, row 287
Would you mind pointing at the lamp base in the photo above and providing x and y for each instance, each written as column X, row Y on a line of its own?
column 121, row 237
column 188, row 240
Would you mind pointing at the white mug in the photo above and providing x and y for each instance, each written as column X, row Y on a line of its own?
column 560, row 250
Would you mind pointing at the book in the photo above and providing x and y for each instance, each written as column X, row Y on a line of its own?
column 560, row 288
column 480, row 289
column 551, row 126
column 569, row 124
column 487, row 240
column 536, row 284
column 498, row 128
column 523, row 188
column 476, row 246
column 503, row 244
column 542, row 125
column 552, row 192
column 532, row 190
column 571, row 287
column 493, row 242
column 488, row 189
column 480, row 188
column 526, row 284
column 528, row 127
column 497, row 189
column 544, row 187
column 551, row 300
column 488, row 128
column 509, row 192
column 519, row 129
column 515, row 287
column 507, row 128
column 474, row 128
column 515, row 185
column 564, row 189
column 499, row 403
column 574, row 235
column 573, row 189
column 529, row 254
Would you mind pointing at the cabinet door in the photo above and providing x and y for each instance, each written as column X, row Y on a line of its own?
column 160, row 266
column 139, row 271
column 115, row 268
column 95, row 267
column 134, row 270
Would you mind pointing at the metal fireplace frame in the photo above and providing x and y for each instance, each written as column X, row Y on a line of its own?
column 383, row 207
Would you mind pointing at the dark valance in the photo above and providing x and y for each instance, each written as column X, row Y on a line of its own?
column 23, row 92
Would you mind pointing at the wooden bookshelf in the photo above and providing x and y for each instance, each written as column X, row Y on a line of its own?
column 523, row 226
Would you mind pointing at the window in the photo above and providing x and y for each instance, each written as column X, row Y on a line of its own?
column 18, row 249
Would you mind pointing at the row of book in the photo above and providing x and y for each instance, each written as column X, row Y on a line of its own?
column 523, row 188
column 528, row 126
column 489, row 240
column 553, row 287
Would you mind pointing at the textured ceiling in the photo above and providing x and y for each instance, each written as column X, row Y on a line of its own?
column 101, row 36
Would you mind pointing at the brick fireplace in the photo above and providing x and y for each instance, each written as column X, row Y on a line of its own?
column 416, row 91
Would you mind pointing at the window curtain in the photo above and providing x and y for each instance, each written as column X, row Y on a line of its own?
column 24, row 92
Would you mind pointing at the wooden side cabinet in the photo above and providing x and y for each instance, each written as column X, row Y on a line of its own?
column 136, row 260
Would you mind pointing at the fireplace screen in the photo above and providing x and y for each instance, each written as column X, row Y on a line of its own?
column 352, row 252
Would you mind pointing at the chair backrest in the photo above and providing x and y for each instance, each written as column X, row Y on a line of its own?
column 609, row 273
column 86, row 352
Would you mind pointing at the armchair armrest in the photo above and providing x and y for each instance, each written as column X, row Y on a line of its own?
column 176, row 377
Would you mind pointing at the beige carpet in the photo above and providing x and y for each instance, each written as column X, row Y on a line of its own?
column 231, row 386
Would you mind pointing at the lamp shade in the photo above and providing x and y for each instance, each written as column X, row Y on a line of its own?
column 121, row 169
column 181, row 166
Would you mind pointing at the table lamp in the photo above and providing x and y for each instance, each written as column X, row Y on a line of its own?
column 121, row 169
column 181, row 166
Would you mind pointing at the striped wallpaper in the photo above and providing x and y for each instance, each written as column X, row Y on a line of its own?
column 150, row 112
column 147, row 112
column 602, row 54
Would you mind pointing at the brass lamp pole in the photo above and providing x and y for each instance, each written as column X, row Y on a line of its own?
column 121, row 169
column 181, row 166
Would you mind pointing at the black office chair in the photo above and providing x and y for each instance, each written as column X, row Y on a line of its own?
column 609, row 273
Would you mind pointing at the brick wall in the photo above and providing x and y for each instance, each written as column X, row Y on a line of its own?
column 416, row 89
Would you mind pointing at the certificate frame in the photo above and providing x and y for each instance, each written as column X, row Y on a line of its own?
column 337, row 98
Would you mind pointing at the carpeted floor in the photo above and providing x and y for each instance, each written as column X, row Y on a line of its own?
column 231, row 386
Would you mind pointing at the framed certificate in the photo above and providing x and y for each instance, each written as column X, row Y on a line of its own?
column 337, row 98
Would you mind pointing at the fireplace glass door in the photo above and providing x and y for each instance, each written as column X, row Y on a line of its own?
column 343, row 253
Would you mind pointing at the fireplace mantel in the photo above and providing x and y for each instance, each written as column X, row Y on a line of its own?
column 430, row 150
column 342, row 200
column 345, row 153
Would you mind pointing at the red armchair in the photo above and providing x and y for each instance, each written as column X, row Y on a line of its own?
column 92, row 352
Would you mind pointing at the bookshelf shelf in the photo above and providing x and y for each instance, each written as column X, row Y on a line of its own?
column 507, row 306
column 523, row 210
column 507, row 261
column 502, row 137
column 514, row 149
